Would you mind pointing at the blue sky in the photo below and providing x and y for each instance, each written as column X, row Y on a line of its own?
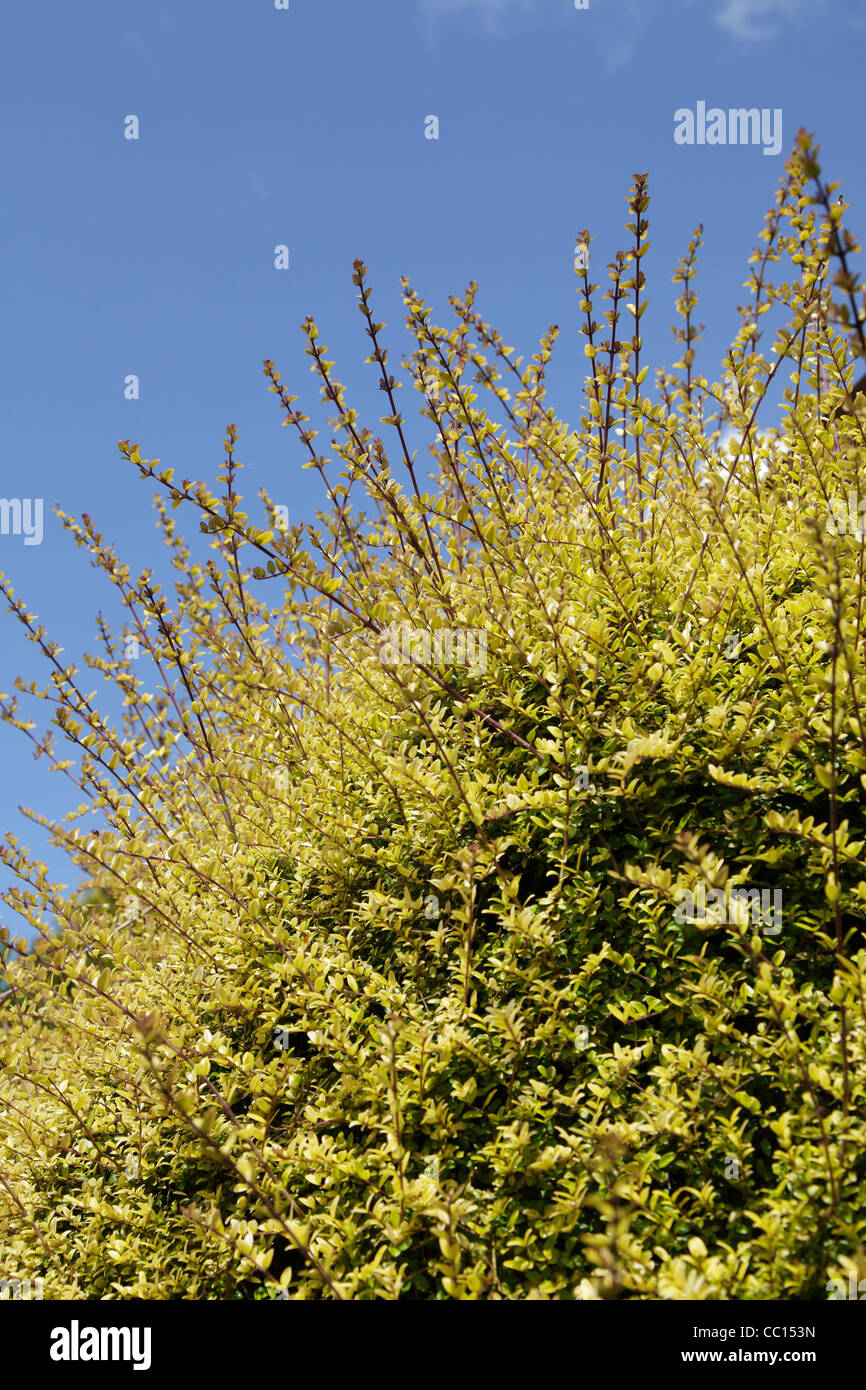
column 305, row 126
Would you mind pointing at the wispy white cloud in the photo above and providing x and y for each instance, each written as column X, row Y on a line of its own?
column 493, row 14
column 134, row 42
column 757, row 19
column 169, row 19
column 624, row 21
column 622, row 46
column 497, row 7
column 250, row 174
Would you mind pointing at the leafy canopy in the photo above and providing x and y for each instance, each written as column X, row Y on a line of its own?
column 383, row 987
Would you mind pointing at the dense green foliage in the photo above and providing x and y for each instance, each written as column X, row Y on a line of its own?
column 385, row 989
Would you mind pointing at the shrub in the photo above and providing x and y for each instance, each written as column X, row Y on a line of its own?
column 413, row 964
